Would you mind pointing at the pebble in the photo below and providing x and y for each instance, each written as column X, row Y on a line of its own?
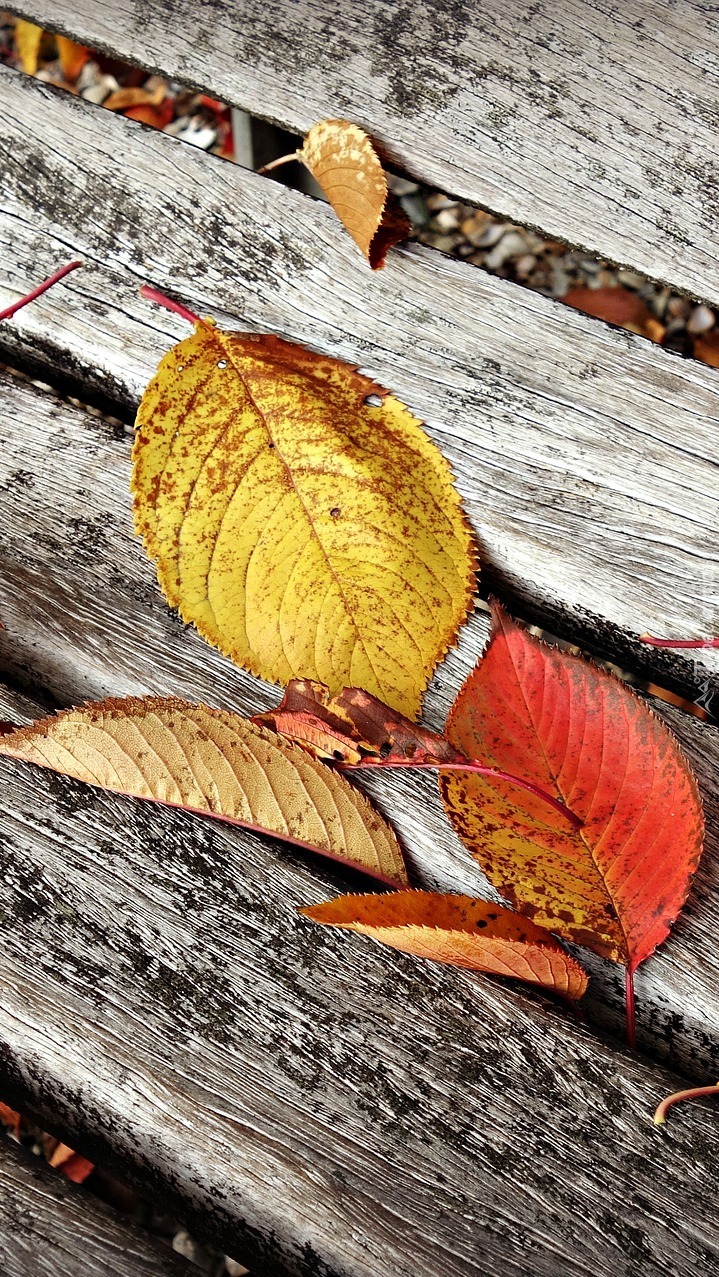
column 400, row 186
column 524, row 265
column 446, row 220
column 701, row 320
column 491, row 234
column 435, row 202
column 630, row 279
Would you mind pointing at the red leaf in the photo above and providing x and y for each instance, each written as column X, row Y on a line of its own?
column 617, row 884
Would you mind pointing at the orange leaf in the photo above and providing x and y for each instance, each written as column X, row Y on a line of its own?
column 706, row 348
column 28, row 38
column 157, row 117
column 342, row 159
column 617, row 306
column 10, row 1119
column 217, row 764
column 123, row 99
column 475, row 934
column 75, row 1167
column 72, row 57
column 617, row 884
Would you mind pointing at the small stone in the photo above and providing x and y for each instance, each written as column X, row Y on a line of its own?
column 701, row 320
column 445, row 220
column 679, row 308
column 445, row 243
column 400, row 186
column 473, row 227
column 607, row 278
column 435, row 202
column 510, row 245
column 233, row 1269
column 630, row 279
column 492, row 234
column 524, row 265
column 415, row 208
column 590, row 265
column 101, row 89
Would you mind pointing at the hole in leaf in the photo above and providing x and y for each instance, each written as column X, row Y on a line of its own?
column 335, row 512
column 222, row 363
column 373, row 401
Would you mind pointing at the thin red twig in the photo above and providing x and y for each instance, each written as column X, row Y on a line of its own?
column 695, row 1093
column 631, row 1011
column 41, row 288
column 665, row 642
column 152, row 294
column 470, row 766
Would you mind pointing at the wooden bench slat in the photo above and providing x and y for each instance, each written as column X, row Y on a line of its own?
column 586, row 457
column 50, row 1228
column 597, row 124
column 365, row 1113
column 84, row 619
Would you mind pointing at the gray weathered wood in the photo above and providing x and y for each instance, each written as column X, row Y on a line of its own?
column 589, row 469
column 326, row 1105
column 50, row 1228
column 592, row 120
column 84, row 618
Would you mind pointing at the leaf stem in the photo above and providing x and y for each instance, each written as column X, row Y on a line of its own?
column 471, row 765
column 283, row 159
column 665, row 642
column 41, row 288
column 152, row 294
column 630, row 1011
column 695, row 1093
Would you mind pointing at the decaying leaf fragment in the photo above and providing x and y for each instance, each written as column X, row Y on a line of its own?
column 617, row 884
column 352, row 726
column 459, row 930
column 305, row 531
column 218, row 764
column 341, row 158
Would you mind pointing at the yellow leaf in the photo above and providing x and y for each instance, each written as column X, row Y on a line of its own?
column 305, row 532
column 28, row 38
column 343, row 161
column 461, row 931
column 216, row 763
column 72, row 57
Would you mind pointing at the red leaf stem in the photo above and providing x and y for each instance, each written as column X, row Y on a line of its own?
column 152, row 294
column 41, row 288
column 695, row 1093
column 470, row 766
column 665, row 642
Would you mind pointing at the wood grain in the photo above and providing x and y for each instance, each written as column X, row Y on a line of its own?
column 84, row 619
column 586, row 457
column 594, row 121
column 326, row 1105
column 49, row 1228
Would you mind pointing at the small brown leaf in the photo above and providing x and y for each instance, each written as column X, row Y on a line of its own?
column 217, row 764
column 123, row 99
column 617, row 306
column 343, row 161
column 461, row 931
column 72, row 57
column 72, row 1164
column 706, row 348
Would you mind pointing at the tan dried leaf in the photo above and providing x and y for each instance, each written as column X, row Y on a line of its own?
column 218, row 764
column 344, row 163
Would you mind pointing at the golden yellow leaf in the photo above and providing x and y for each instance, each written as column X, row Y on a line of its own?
column 28, row 38
column 459, row 930
column 344, row 163
column 216, row 763
column 72, row 57
column 123, row 99
column 304, row 531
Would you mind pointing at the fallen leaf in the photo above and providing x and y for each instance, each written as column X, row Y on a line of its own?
column 72, row 57
column 157, row 117
column 10, row 1119
column 617, row 306
column 475, row 934
column 72, row 1165
column 352, row 726
column 215, row 763
column 706, row 348
column 28, row 38
column 617, row 884
column 305, row 531
column 123, row 99
column 346, row 166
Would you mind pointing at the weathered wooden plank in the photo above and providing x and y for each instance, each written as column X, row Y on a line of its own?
column 327, row 1105
column 50, row 1228
column 589, row 469
column 594, row 121
column 84, row 618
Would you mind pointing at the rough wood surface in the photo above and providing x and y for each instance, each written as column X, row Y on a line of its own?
column 586, row 456
column 84, row 618
column 592, row 120
column 327, row 1105
column 49, row 1228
